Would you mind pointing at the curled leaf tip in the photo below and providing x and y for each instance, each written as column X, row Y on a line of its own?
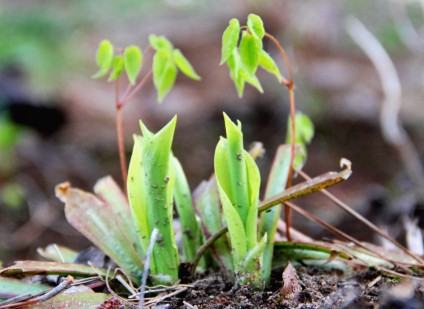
column 61, row 190
column 345, row 163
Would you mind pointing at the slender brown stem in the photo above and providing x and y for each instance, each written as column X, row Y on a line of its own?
column 120, row 103
column 137, row 88
column 120, row 135
column 289, row 83
column 121, row 146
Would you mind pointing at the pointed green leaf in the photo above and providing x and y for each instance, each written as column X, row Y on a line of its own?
column 209, row 210
column 190, row 227
column 104, row 58
column 160, row 42
column 250, row 48
column 136, row 193
column 235, row 225
column 256, row 25
column 132, row 62
column 254, row 182
column 229, row 39
column 151, row 181
column 277, row 181
column 117, row 68
column 164, row 73
column 234, row 64
column 184, row 66
column 268, row 64
column 160, row 181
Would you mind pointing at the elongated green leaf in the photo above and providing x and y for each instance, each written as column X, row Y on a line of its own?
column 91, row 217
column 117, row 68
column 268, row 64
column 137, row 193
column 152, row 169
column 160, row 42
column 11, row 287
column 256, row 25
column 234, row 64
column 104, row 58
column 184, row 65
column 58, row 253
column 250, row 48
column 235, row 225
column 164, row 73
column 254, row 182
column 229, row 39
column 132, row 62
column 74, row 301
column 53, row 268
column 190, row 227
column 209, row 210
column 238, row 183
column 277, row 181
column 235, row 181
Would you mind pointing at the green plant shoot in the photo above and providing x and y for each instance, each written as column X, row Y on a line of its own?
column 238, row 182
column 151, row 180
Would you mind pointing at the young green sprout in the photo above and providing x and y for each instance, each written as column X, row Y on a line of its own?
column 167, row 61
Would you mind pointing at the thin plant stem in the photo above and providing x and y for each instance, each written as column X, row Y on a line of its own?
column 289, row 83
column 137, row 88
column 120, row 103
column 120, row 135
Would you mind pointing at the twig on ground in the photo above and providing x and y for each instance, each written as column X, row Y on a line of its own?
column 364, row 220
column 149, row 252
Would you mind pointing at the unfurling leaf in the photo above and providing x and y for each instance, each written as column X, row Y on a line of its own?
column 104, row 58
column 268, row 64
column 160, row 42
column 256, row 25
column 250, row 48
column 164, row 73
column 184, row 65
column 132, row 62
column 117, row 68
column 230, row 39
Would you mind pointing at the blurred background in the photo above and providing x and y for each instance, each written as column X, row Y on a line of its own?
column 57, row 124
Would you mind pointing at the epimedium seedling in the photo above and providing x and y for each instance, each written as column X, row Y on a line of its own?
column 228, row 201
column 151, row 178
column 167, row 61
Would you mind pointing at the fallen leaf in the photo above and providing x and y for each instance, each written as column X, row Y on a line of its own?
column 291, row 286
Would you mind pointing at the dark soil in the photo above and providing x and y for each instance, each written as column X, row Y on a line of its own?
column 319, row 289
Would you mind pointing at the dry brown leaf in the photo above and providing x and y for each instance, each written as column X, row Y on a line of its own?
column 291, row 285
